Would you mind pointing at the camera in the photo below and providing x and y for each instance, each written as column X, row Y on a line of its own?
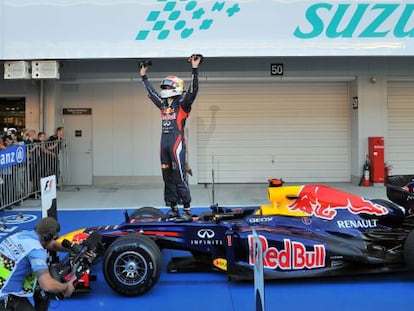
column 145, row 63
column 196, row 56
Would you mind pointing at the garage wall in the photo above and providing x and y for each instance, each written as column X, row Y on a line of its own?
column 399, row 144
column 108, row 100
column 125, row 127
column 252, row 131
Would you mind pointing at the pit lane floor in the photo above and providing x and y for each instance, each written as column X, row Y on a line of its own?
column 212, row 291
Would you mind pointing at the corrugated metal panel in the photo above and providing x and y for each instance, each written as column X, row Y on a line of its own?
column 399, row 145
column 298, row 131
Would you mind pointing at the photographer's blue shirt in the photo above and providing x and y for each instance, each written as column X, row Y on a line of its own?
column 21, row 255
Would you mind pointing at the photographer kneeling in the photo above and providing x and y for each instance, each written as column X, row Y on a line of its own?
column 23, row 265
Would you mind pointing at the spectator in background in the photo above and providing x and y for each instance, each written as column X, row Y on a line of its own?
column 2, row 145
column 60, row 132
column 15, row 138
column 33, row 159
column 2, row 187
column 5, row 180
column 56, row 148
column 8, row 141
column 47, row 157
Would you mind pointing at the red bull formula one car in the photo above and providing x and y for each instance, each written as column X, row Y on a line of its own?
column 305, row 231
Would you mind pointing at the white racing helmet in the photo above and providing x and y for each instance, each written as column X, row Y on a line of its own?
column 171, row 86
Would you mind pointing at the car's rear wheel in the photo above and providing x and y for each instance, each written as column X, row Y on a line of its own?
column 132, row 265
column 409, row 251
column 147, row 212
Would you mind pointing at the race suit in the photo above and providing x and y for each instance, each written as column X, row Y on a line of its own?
column 173, row 147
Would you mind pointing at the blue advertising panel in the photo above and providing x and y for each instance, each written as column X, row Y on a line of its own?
column 12, row 155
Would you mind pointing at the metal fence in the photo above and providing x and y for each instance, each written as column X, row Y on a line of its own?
column 22, row 167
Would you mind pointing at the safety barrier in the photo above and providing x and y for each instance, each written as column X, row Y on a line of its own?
column 22, row 166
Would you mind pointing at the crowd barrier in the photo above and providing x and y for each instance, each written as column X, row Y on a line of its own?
column 23, row 165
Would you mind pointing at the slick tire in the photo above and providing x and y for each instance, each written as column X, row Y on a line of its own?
column 409, row 251
column 147, row 212
column 132, row 265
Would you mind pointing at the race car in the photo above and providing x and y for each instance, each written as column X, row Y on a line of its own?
column 306, row 231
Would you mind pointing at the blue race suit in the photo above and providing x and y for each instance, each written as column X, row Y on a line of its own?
column 173, row 147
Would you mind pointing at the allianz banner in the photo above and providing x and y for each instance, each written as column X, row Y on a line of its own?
column 12, row 155
column 67, row 29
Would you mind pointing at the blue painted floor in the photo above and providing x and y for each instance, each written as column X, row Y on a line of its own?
column 213, row 292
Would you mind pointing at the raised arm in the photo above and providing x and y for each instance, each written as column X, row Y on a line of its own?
column 152, row 93
column 192, row 91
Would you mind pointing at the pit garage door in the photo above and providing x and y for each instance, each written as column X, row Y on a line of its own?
column 399, row 144
column 248, row 132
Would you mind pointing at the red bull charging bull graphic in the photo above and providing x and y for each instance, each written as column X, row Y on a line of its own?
column 324, row 202
column 293, row 256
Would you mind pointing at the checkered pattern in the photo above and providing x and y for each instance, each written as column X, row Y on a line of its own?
column 183, row 18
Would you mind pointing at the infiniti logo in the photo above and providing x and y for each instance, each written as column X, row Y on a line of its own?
column 206, row 233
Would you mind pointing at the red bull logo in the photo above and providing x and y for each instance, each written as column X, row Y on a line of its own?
column 323, row 202
column 294, row 255
column 80, row 237
column 168, row 114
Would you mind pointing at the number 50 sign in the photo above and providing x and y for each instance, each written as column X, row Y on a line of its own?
column 277, row 69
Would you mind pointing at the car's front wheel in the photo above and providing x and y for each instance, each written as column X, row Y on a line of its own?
column 132, row 265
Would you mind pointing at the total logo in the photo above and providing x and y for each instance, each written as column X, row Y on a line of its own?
column 293, row 256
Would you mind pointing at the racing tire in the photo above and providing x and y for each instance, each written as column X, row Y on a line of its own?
column 132, row 265
column 409, row 251
column 147, row 212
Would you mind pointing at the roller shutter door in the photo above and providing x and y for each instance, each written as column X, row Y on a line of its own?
column 252, row 131
column 399, row 144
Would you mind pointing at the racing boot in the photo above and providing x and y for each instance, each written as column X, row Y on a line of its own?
column 173, row 212
column 186, row 215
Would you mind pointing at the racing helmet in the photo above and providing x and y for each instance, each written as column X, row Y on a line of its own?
column 171, row 86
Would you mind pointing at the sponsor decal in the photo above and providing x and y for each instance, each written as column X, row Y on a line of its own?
column 183, row 18
column 220, row 263
column 12, row 155
column 356, row 224
column 206, row 237
column 80, row 237
column 17, row 219
column 357, row 20
column 323, row 202
column 294, row 255
column 206, row 233
column 49, row 184
column 260, row 219
column 11, row 223
column 169, row 116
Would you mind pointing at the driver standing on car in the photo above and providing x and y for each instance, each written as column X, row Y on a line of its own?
column 175, row 106
column 23, row 265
